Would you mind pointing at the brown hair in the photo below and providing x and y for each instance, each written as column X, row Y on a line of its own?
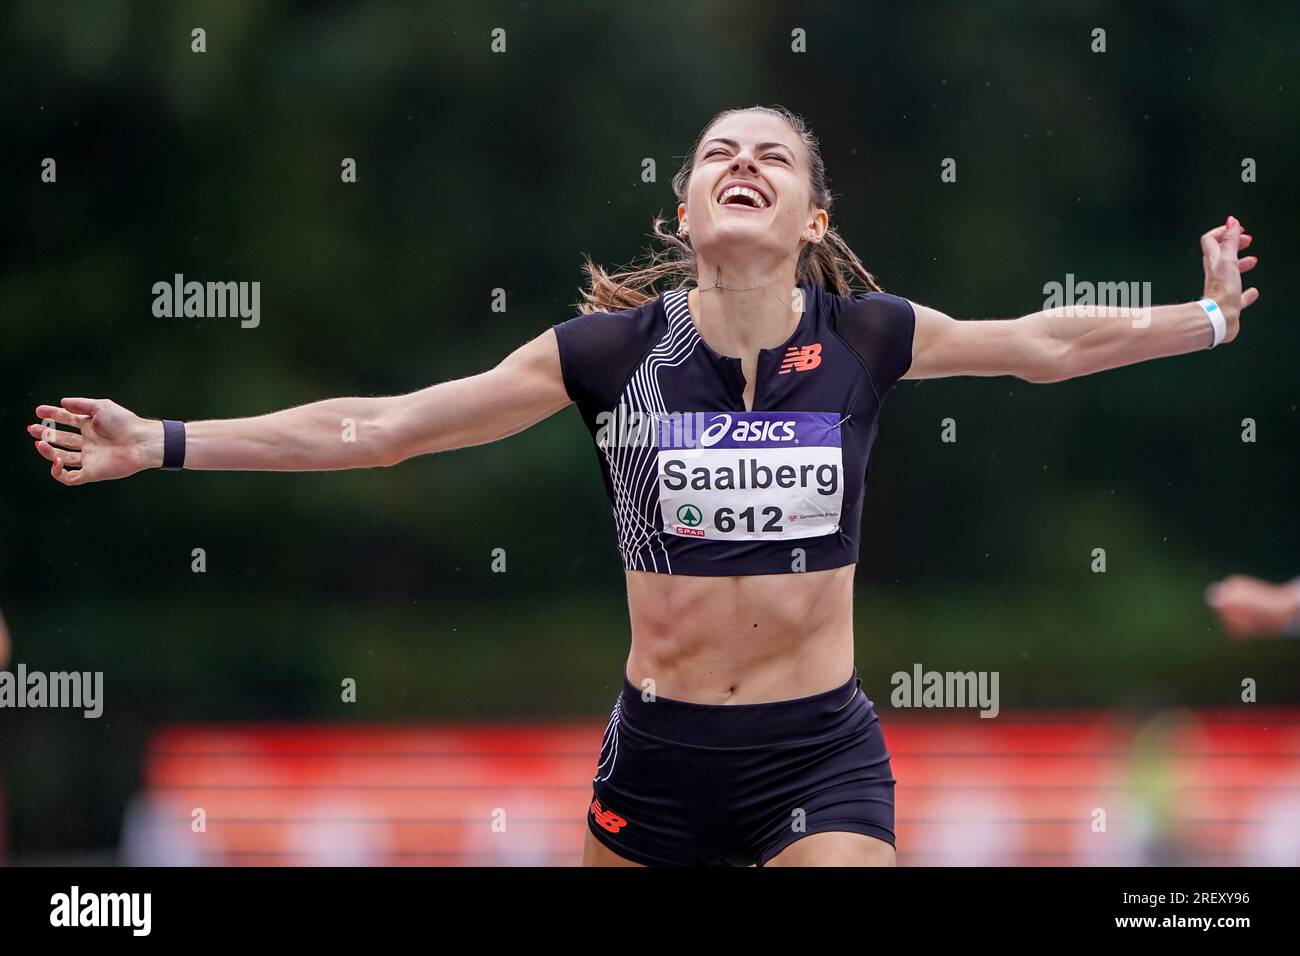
column 830, row 262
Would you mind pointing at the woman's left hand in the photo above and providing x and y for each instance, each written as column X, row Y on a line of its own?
column 1219, row 248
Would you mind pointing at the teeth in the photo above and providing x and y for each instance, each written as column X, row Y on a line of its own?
column 753, row 194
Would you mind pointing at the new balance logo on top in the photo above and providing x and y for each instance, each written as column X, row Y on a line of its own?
column 801, row 358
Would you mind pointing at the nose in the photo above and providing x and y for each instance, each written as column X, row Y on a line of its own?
column 744, row 161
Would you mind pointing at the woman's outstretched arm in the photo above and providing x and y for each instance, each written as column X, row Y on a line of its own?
column 1066, row 342
column 110, row 441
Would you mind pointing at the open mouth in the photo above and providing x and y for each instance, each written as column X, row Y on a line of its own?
column 742, row 196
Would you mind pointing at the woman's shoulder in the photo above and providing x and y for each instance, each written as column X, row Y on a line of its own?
column 599, row 348
column 878, row 326
column 644, row 311
column 859, row 301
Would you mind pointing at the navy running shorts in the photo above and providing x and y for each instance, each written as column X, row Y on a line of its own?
column 685, row 784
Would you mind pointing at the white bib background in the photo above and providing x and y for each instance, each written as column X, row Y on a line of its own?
column 753, row 476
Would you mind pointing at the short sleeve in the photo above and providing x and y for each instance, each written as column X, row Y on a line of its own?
column 879, row 327
column 600, row 350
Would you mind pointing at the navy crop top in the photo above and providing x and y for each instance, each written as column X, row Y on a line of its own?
column 699, row 485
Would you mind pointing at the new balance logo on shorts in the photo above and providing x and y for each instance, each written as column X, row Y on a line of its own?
column 607, row 819
column 801, row 359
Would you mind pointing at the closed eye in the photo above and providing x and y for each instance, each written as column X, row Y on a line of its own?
column 781, row 157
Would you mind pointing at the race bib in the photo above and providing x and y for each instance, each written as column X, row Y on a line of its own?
column 751, row 476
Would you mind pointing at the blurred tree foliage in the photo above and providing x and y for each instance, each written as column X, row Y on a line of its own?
column 479, row 171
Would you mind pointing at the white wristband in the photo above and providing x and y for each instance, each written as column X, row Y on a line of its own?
column 1216, row 319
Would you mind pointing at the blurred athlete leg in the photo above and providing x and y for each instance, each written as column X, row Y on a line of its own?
column 817, row 849
column 595, row 853
column 836, row 849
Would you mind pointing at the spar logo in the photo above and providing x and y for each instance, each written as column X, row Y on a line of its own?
column 746, row 431
column 689, row 519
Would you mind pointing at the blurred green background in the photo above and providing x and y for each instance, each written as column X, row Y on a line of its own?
column 479, row 170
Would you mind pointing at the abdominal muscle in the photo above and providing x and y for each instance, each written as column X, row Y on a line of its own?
column 741, row 640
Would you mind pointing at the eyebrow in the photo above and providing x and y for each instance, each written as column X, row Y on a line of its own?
column 734, row 145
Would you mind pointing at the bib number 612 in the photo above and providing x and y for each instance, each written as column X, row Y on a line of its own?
column 726, row 520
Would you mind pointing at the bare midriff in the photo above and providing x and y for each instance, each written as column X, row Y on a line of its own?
column 741, row 640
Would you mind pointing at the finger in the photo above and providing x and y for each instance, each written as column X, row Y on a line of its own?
column 1249, row 296
column 1248, row 263
column 1210, row 242
column 50, row 453
column 83, row 406
column 1245, row 240
column 1210, row 253
column 56, row 436
column 1230, row 241
column 60, row 415
column 63, row 476
column 1231, row 592
column 67, row 459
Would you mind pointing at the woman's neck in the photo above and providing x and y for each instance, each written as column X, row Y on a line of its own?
column 739, row 312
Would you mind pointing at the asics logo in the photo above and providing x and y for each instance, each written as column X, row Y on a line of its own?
column 746, row 431
column 801, row 358
column 713, row 434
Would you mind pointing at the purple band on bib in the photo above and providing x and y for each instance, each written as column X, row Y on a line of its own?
column 680, row 430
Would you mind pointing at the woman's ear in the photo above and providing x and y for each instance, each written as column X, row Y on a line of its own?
column 818, row 225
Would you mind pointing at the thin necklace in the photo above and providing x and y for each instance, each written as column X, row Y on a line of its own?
column 718, row 285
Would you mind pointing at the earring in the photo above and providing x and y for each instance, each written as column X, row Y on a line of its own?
column 683, row 232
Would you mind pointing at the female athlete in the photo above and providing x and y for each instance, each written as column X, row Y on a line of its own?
column 732, row 388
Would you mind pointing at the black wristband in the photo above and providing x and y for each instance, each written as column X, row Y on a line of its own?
column 173, row 445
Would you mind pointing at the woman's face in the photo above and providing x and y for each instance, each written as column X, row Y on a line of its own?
column 759, row 153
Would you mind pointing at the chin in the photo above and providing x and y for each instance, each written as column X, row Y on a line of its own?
column 755, row 234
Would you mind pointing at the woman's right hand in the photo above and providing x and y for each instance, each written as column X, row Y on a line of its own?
column 109, row 442
column 335, row 433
